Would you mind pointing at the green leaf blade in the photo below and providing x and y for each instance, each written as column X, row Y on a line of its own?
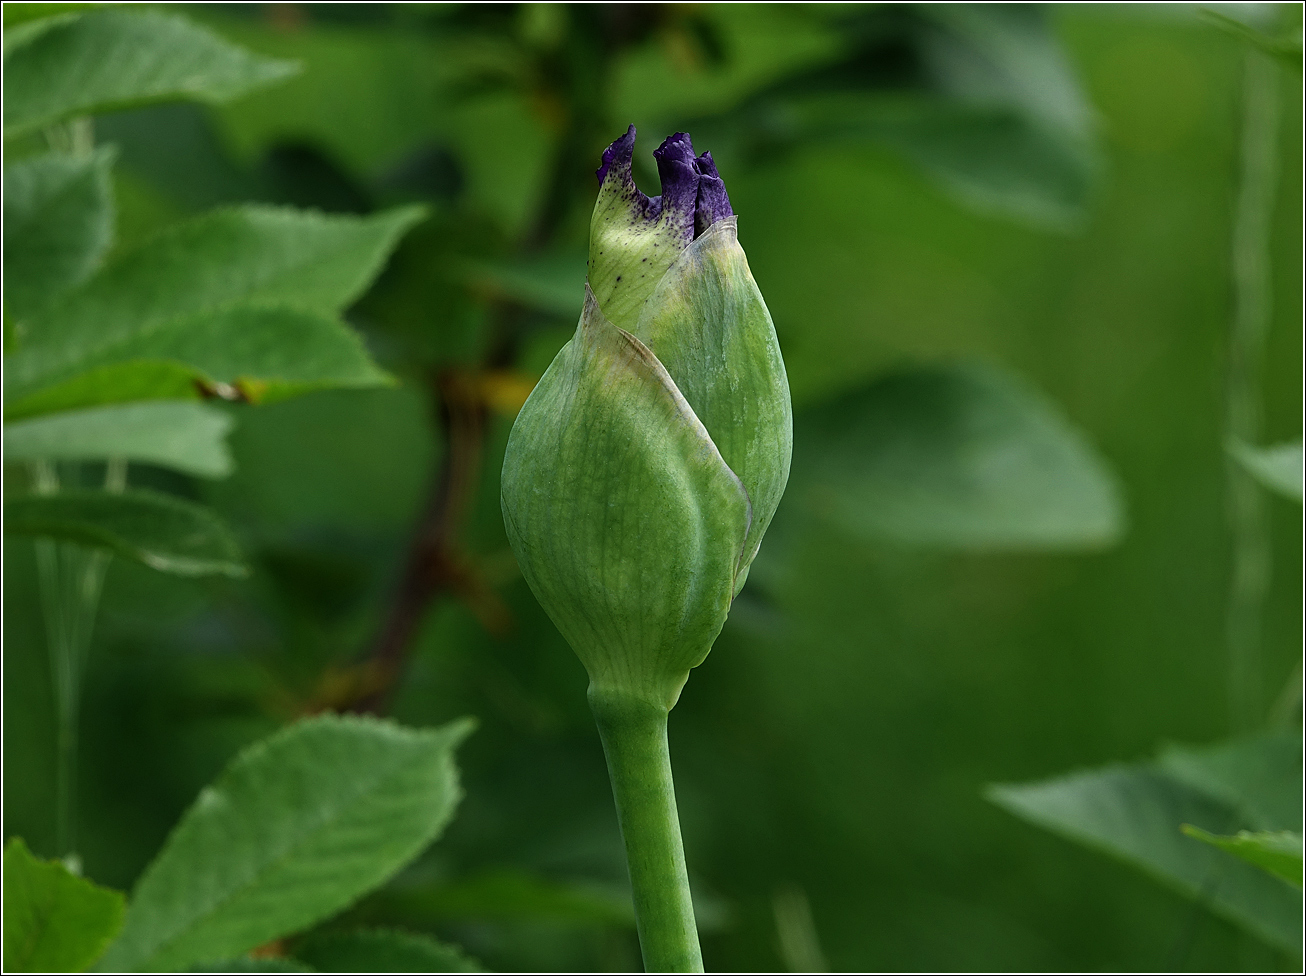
column 381, row 951
column 54, row 921
column 188, row 437
column 1278, row 468
column 163, row 532
column 1135, row 814
column 1278, row 852
column 106, row 59
column 955, row 456
column 212, row 276
column 58, row 223
column 296, row 828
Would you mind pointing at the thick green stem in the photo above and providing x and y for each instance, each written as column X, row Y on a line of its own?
column 634, row 734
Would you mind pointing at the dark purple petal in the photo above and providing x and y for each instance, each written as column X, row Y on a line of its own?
column 675, row 159
column 713, row 202
column 620, row 153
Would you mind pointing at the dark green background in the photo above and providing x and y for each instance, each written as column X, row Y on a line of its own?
column 840, row 734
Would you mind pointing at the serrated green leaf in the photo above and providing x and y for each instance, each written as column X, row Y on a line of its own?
column 1135, row 813
column 381, row 951
column 954, row 456
column 252, row 284
column 58, row 222
column 1279, row 852
column 162, row 531
column 268, row 354
column 1278, row 468
column 54, row 921
column 189, row 437
column 107, row 59
column 297, row 827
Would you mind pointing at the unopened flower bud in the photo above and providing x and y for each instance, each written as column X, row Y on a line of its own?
column 645, row 467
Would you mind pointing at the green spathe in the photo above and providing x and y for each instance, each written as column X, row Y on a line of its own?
column 628, row 524
column 644, row 469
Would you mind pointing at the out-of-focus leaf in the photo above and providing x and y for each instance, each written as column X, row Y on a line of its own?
column 107, row 59
column 980, row 96
column 1278, row 852
column 553, row 283
column 54, row 921
column 296, row 828
column 189, row 437
column 21, row 13
column 253, row 964
column 381, row 951
column 1278, row 468
column 511, row 894
column 163, row 532
column 1260, row 776
column 956, row 456
column 242, row 285
column 1136, row 813
column 1286, row 49
column 58, row 222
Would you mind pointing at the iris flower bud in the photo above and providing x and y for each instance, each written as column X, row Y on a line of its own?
column 645, row 467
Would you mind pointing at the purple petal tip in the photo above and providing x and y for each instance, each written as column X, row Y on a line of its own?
column 691, row 186
column 676, row 170
column 713, row 203
column 620, row 152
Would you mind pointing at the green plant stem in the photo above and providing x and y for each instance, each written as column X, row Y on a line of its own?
column 634, row 734
column 70, row 579
column 1251, row 321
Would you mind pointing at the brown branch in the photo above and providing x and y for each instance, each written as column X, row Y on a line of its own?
column 433, row 563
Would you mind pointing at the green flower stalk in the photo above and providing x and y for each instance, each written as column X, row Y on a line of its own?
column 639, row 479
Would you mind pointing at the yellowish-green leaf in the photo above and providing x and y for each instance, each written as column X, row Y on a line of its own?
column 54, row 921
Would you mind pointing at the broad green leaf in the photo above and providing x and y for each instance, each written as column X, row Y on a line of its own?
column 1286, row 49
column 954, row 456
column 54, row 921
column 551, row 283
column 253, row 964
column 207, row 276
column 981, row 97
column 1278, row 468
column 162, row 531
column 1136, row 813
column 58, row 222
column 381, row 951
column 189, row 437
column 107, row 59
column 1278, row 852
column 1260, row 776
column 296, row 828
column 21, row 13
column 264, row 354
column 511, row 894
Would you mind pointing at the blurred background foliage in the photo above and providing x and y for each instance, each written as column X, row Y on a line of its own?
column 934, row 201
